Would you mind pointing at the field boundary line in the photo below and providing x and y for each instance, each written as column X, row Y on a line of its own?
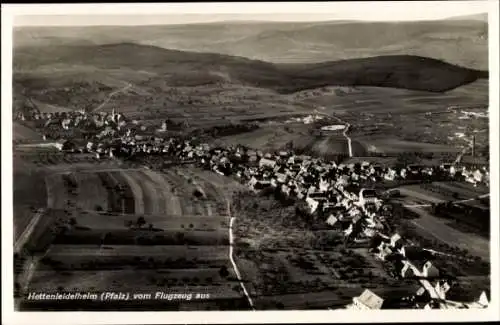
column 453, row 202
column 432, row 233
column 110, row 96
column 235, row 267
column 136, row 191
column 28, row 230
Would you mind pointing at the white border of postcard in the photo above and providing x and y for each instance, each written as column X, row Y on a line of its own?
column 342, row 10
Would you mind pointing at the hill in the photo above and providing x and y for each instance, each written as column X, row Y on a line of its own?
column 179, row 68
column 462, row 41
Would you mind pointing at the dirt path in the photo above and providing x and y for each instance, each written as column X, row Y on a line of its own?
column 344, row 133
column 110, row 96
column 223, row 194
column 235, row 267
column 23, row 238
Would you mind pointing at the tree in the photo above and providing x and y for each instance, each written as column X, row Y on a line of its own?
column 223, row 272
column 141, row 221
column 179, row 237
column 72, row 221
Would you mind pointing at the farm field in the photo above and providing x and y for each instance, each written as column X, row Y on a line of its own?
column 380, row 116
column 402, row 101
column 440, row 192
column 284, row 260
column 389, row 145
column 29, row 193
column 442, row 229
column 431, row 226
column 202, row 280
column 278, row 137
column 184, row 235
column 123, row 257
column 104, row 220
column 23, row 133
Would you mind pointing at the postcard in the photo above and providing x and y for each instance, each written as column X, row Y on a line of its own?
column 250, row 162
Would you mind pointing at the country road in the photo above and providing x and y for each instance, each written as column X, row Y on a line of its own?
column 28, row 267
column 461, row 154
column 23, row 238
column 344, row 133
column 235, row 267
column 349, row 141
column 110, row 96
column 231, row 242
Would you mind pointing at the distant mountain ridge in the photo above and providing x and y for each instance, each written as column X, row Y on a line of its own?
column 183, row 68
column 458, row 41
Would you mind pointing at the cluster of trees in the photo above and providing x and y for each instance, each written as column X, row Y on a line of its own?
column 471, row 216
column 139, row 223
column 225, row 130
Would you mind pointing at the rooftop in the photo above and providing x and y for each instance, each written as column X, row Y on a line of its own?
column 371, row 300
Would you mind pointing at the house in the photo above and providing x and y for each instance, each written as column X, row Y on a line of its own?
column 429, row 270
column 323, row 185
column 483, row 300
column 332, row 220
column 368, row 196
column 312, row 204
column 258, row 184
column 281, row 178
column 348, row 231
column 369, row 232
column 265, row 162
column 367, row 300
column 383, row 250
column 65, row 145
column 395, row 239
column 285, row 189
column 390, row 175
column 441, row 288
column 407, row 271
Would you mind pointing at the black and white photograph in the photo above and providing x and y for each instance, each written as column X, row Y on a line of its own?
column 342, row 160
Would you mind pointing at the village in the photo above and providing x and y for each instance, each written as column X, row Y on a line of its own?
column 343, row 195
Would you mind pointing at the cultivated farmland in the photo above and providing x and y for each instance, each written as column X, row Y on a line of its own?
column 118, row 219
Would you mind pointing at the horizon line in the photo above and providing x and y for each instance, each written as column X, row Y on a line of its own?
column 32, row 20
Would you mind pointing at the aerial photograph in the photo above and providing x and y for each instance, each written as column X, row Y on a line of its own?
column 249, row 163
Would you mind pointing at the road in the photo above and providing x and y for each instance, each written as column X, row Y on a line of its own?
column 235, row 267
column 231, row 244
column 462, row 153
column 344, row 133
column 110, row 96
column 28, row 267
column 349, row 141
column 23, row 238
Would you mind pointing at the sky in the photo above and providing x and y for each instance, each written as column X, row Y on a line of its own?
column 188, row 13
